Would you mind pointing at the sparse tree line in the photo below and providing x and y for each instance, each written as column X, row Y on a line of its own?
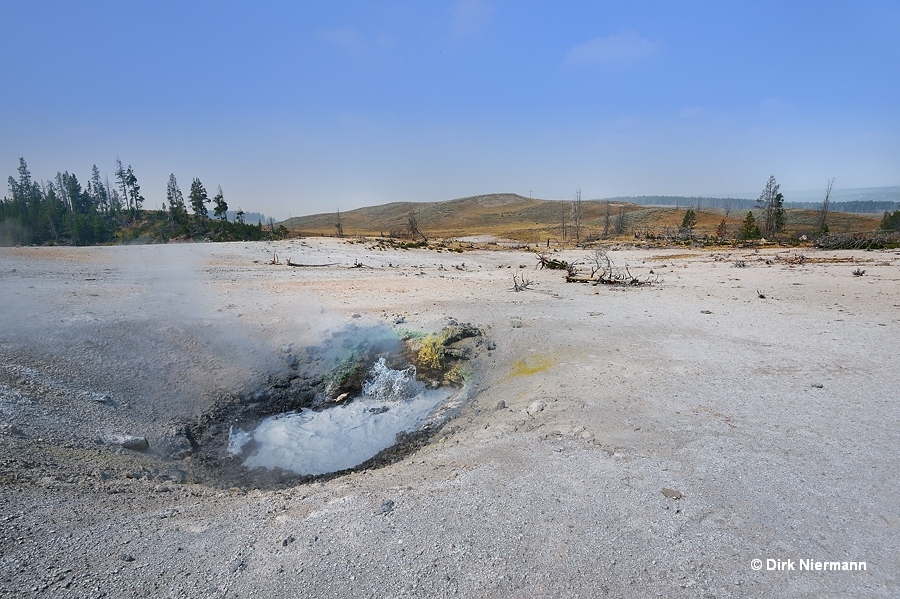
column 770, row 204
column 766, row 219
column 729, row 205
column 65, row 212
column 772, row 217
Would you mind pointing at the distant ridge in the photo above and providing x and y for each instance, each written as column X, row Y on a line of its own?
column 687, row 201
column 868, row 200
column 457, row 217
column 534, row 220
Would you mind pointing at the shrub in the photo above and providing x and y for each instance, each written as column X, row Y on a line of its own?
column 891, row 221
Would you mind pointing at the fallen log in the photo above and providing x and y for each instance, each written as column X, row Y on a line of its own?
column 289, row 263
column 579, row 278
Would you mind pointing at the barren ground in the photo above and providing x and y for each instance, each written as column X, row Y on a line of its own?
column 777, row 420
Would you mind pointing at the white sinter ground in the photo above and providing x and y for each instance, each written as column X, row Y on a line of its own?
column 775, row 419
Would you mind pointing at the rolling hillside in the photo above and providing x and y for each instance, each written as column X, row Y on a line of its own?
column 533, row 220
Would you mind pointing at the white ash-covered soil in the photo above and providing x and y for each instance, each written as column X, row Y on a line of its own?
column 772, row 423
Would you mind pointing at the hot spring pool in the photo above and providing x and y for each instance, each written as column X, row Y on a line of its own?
column 343, row 436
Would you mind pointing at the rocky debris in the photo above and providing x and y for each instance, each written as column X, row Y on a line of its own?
column 133, row 442
column 387, row 506
column 535, row 407
column 287, row 540
column 818, row 385
column 238, row 565
column 11, row 429
column 178, row 442
column 500, row 405
column 672, row 493
column 438, row 356
column 100, row 398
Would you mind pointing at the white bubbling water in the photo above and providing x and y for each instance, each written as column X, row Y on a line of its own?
column 391, row 385
column 236, row 440
column 344, row 436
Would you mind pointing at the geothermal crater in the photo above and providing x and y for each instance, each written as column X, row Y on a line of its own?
column 362, row 399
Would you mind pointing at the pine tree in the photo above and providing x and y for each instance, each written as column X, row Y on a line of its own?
column 121, row 180
column 689, row 221
column 199, row 199
column 27, row 207
column 79, row 201
column 891, row 221
column 749, row 229
column 115, row 201
column 221, row 207
column 98, row 191
column 177, row 209
column 137, row 199
column 772, row 203
column 722, row 229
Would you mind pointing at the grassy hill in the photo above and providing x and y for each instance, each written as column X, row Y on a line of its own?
column 533, row 220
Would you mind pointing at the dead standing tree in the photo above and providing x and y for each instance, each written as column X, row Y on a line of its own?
column 823, row 211
column 563, row 225
column 606, row 222
column 620, row 220
column 771, row 200
column 412, row 226
column 577, row 213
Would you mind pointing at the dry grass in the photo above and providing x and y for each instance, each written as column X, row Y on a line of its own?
column 530, row 220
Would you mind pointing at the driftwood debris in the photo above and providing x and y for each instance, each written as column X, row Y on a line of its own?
column 551, row 263
column 860, row 241
column 521, row 283
column 579, row 278
column 289, row 263
column 604, row 272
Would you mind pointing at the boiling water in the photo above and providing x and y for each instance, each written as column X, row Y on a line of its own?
column 341, row 437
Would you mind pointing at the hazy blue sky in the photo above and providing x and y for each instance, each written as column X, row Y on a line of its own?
column 301, row 107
